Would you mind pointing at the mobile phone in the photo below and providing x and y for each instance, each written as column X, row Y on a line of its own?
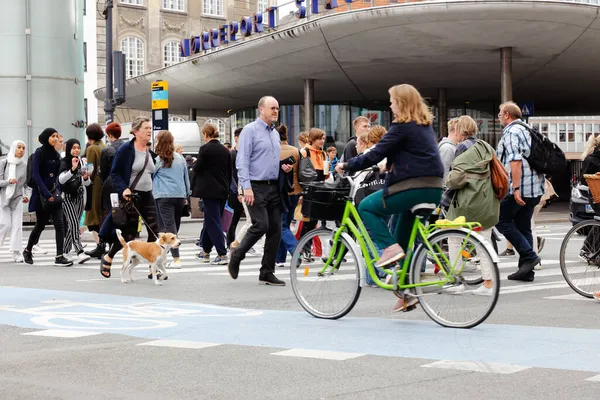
column 289, row 161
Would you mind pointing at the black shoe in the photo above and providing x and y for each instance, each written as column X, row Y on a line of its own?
column 507, row 253
column 528, row 266
column 270, row 279
column 61, row 261
column 234, row 264
column 27, row 257
column 522, row 276
column 98, row 252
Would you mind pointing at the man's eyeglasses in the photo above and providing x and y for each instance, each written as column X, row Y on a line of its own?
column 275, row 109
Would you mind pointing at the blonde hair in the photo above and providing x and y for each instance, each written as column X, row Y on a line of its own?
column 592, row 144
column 375, row 134
column 512, row 109
column 358, row 119
column 466, row 126
column 452, row 124
column 411, row 104
column 178, row 147
column 364, row 138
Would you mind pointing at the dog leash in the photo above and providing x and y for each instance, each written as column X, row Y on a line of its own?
column 143, row 220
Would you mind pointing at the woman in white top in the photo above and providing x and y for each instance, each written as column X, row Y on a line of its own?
column 13, row 174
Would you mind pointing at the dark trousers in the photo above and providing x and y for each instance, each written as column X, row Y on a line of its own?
column 212, row 229
column 147, row 208
column 238, row 210
column 42, row 218
column 266, row 220
column 515, row 225
column 169, row 217
column 288, row 240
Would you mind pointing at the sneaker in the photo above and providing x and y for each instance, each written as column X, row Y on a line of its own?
column 176, row 264
column 279, row 265
column 538, row 267
column 37, row 249
column 204, row 257
column 82, row 257
column 220, row 260
column 390, row 255
column 455, row 289
column 541, row 241
column 17, row 257
column 482, row 291
column 27, row 257
column 271, row 280
column 307, row 257
column 198, row 243
column 252, row 251
column 507, row 253
column 61, row 261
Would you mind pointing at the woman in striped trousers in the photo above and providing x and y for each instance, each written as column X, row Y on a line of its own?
column 73, row 181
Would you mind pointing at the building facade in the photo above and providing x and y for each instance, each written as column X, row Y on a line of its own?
column 149, row 32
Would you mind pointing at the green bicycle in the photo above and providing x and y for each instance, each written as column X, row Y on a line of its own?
column 440, row 271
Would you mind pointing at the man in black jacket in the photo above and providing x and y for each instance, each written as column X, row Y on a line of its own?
column 361, row 125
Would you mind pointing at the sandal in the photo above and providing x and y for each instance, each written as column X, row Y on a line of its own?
column 401, row 306
column 103, row 269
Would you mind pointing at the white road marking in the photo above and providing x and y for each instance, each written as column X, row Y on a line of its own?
column 182, row 344
column 477, row 366
column 61, row 333
column 319, row 354
column 594, row 379
column 572, row 296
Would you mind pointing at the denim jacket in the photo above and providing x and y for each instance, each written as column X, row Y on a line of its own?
column 171, row 182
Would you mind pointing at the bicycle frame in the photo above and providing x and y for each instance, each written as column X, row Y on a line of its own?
column 352, row 223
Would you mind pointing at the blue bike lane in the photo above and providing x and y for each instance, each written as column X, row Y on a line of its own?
column 147, row 318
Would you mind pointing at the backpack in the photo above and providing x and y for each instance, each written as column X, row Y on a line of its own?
column 30, row 181
column 545, row 156
column 499, row 178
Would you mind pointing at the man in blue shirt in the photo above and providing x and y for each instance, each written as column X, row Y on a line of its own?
column 258, row 166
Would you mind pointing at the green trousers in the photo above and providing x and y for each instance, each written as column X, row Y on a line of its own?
column 372, row 210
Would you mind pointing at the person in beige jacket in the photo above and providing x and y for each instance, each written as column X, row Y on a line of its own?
column 288, row 240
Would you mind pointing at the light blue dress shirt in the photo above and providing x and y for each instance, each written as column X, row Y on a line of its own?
column 258, row 154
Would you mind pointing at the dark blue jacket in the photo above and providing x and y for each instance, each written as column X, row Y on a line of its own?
column 411, row 152
column 120, row 173
column 45, row 172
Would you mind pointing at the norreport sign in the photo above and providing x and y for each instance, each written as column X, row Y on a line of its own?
column 247, row 26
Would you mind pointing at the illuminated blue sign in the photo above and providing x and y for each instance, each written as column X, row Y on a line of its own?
column 235, row 30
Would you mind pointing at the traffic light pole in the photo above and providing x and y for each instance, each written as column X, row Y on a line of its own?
column 109, row 106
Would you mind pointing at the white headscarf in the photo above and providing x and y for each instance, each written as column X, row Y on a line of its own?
column 12, row 161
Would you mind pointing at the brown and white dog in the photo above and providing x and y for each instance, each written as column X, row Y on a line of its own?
column 154, row 253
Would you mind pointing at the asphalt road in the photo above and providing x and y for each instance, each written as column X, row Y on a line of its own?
column 68, row 333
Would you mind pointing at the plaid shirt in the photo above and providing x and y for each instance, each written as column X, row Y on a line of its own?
column 515, row 145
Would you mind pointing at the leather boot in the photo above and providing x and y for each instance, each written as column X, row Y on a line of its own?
column 98, row 251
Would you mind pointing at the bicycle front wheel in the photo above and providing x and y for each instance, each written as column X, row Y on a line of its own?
column 325, row 292
column 580, row 258
column 455, row 298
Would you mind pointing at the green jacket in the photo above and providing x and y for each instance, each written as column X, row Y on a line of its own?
column 473, row 192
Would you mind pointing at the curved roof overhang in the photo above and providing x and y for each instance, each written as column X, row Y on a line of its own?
column 356, row 55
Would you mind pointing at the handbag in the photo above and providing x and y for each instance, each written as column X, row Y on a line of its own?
column 73, row 186
column 125, row 215
column 48, row 205
column 306, row 170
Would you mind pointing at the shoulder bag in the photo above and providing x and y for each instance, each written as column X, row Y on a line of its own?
column 125, row 214
column 306, row 169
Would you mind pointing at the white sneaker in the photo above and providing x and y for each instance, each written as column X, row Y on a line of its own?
column 175, row 264
column 482, row 291
column 538, row 267
column 17, row 257
column 457, row 289
column 37, row 249
column 82, row 257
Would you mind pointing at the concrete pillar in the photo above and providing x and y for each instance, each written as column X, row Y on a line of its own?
column 192, row 114
column 506, row 89
column 309, row 109
column 442, row 112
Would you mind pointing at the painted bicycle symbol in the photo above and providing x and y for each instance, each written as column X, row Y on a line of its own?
column 66, row 314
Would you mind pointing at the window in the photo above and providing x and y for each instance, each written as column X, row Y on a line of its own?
column 213, row 7
column 263, row 5
column 220, row 124
column 172, row 53
column 134, row 2
column 177, row 5
column 133, row 48
column 84, row 56
column 562, row 133
column 176, row 118
column 85, row 7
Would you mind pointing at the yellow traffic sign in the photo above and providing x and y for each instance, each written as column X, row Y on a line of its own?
column 160, row 95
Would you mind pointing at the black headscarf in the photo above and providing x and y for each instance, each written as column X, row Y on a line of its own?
column 65, row 163
column 48, row 151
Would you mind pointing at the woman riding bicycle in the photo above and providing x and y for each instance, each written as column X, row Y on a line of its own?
column 414, row 174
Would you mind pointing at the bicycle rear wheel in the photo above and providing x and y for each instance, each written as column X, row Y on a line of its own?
column 459, row 300
column 580, row 258
column 329, row 293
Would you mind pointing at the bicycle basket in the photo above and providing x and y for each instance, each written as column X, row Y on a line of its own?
column 325, row 201
column 593, row 182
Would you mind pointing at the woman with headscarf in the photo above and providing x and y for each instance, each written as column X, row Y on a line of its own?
column 45, row 197
column 13, row 174
column 73, row 182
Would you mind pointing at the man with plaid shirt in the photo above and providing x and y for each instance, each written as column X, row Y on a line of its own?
column 526, row 188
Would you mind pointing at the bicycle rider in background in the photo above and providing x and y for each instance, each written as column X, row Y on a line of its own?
column 414, row 176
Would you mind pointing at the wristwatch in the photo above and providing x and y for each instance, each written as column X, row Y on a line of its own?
column 516, row 188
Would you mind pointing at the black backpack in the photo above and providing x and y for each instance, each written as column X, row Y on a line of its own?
column 30, row 182
column 545, row 156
